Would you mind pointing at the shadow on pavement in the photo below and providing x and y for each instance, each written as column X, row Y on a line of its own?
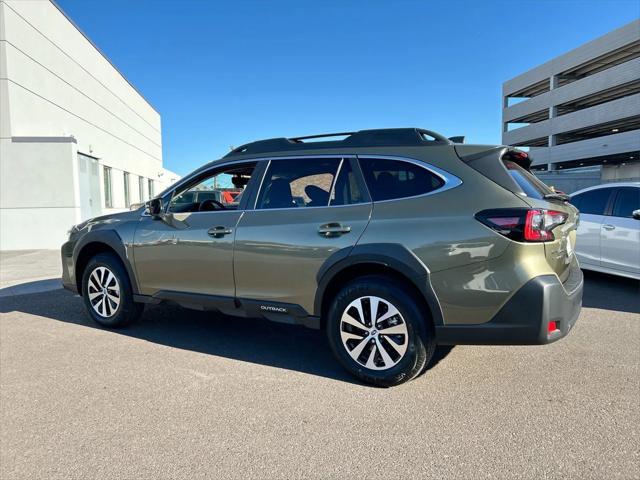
column 609, row 292
column 35, row 286
column 249, row 340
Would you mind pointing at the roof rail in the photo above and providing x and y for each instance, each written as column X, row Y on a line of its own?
column 364, row 138
column 322, row 135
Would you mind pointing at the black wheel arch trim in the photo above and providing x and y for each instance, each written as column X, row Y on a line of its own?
column 391, row 255
column 112, row 239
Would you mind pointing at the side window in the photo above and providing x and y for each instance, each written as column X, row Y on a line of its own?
column 294, row 183
column 219, row 190
column 141, row 188
column 389, row 179
column 108, row 194
column 593, row 202
column 627, row 201
column 347, row 189
column 127, row 196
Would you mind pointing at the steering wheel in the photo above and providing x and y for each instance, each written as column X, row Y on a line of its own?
column 211, row 206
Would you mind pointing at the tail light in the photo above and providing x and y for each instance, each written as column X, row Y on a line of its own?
column 521, row 224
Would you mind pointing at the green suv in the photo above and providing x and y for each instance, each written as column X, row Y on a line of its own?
column 391, row 241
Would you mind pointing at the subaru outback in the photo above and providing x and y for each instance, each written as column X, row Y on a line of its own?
column 392, row 241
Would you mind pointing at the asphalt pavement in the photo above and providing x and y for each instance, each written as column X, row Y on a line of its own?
column 185, row 394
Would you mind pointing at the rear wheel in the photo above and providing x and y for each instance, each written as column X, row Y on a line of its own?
column 378, row 332
column 107, row 293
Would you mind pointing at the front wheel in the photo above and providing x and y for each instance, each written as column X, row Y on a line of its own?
column 378, row 333
column 107, row 293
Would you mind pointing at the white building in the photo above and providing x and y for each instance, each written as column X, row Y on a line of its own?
column 581, row 109
column 76, row 138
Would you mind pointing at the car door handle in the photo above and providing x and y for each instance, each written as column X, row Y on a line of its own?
column 333, row 229
column 608, row 226
column 219, row 231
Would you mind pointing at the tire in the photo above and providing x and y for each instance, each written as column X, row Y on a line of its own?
column 359, row 350
column 117, row 309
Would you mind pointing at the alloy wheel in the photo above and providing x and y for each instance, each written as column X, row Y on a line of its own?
column 374, row 333
column 103, row 290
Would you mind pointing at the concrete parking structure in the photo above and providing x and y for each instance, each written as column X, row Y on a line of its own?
column 581, row 108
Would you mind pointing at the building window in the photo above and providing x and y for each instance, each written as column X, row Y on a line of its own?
column 127, row 199
column 150, row 188
column 108, row 197
column 141, row 188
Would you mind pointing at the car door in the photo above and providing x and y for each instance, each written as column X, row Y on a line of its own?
column 307, row 210
column 189, row 248
column 592, row 205
column 621, row 232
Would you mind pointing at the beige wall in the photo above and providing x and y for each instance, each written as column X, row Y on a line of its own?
column 64, row 86
column 59, row 96
column 38, row 197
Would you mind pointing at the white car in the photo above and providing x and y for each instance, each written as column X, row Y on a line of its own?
column 609, row 230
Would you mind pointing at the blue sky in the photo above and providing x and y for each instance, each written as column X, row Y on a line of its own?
column 225, row 73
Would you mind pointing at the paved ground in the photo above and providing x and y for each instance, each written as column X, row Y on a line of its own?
column 29, row 271
column 184, row 394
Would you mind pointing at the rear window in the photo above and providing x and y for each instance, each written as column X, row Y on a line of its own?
column 527, row 181
column 593, row 202
column 389, row 179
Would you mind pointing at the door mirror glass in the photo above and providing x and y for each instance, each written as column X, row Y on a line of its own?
column 636, row 214
column 155, row 207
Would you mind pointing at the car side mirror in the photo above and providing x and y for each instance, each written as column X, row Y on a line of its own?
column 155, row 207
column 636, row 214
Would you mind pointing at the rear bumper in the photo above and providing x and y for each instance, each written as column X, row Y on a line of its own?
column 525, row 318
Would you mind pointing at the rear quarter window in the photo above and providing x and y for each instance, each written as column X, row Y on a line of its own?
column 392, row 179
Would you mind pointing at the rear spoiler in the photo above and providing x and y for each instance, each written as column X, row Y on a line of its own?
column 489, row 161
column 472, row 153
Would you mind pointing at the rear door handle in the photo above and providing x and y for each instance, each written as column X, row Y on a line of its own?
column 219, row 231
column 333, row 229
column 608, row 226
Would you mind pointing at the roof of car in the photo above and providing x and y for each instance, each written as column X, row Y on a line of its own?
column 607, row 185
column 362, row 138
